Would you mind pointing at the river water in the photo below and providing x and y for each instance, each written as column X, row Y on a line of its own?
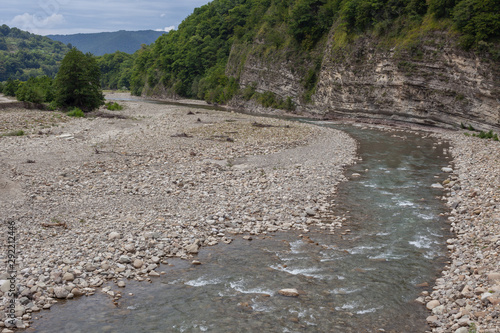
column 362, row 279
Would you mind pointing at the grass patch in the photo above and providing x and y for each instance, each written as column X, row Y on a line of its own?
column 76, row 112
column 14, row 133
column 481, row 134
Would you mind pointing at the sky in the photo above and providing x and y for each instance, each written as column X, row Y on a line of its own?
column 63, row 17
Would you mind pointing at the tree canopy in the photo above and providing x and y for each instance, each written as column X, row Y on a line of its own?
column 77, row 83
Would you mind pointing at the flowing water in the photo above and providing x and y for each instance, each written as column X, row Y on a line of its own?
column 359, row 280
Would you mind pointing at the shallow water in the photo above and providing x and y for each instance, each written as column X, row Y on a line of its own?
column 362, row 281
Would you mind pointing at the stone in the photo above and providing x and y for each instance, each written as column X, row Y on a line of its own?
column 77, row 292
column 138, row 263
column 193, row 248
column 129, row 247
column 494, row 277
column 61, row 292
column 124, row 259
column 462, row 330
column 196, row 262
column 437, row 185
column 121, row 284
column 448, row 170
column 289, row 292
column 68, row 277
column 432, row 304
column 438, row 310
column 114, row 235
column 310, row 212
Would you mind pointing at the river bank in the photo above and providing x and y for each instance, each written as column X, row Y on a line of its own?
column 108, row 199
column 467, row 296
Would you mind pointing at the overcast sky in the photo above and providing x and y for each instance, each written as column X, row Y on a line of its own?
column 45, row 17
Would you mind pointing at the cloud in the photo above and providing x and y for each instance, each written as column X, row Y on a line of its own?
column 32, row 23
column 167, row 29
column 163, row 15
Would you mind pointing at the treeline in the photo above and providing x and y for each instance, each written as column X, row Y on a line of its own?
column 24, row 55
column 77, row 85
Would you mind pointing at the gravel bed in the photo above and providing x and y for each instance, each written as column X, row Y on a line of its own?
column 466, row 298
column 100, row 199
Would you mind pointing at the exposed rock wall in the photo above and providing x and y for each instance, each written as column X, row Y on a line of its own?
column 433, row 83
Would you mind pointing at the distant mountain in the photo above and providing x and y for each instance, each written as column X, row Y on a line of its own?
column 109, row 42
column 23, row 54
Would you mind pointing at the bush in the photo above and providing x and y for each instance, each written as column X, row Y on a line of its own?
column 113, row 106
column 11, row 87
column 1, row 87
column 76, row 112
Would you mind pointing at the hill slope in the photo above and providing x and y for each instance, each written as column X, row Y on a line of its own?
column 433, row 62
column 23, row 54
column 109, row 42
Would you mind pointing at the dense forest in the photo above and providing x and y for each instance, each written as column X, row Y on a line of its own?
column 191, row 61
column 24, row 55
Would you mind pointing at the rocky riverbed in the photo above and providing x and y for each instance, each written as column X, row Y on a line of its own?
column 467, row 296
column 109, row 199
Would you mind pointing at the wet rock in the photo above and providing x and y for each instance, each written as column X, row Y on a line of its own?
column 291, row 292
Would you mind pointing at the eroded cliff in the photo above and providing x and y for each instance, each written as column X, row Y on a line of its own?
column 432, row 82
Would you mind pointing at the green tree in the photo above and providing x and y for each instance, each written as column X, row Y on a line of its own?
column 10, row 87
column 77, row 83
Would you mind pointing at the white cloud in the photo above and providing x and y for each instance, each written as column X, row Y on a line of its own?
column 163, row 15
column 167, row 29
column 35, row 22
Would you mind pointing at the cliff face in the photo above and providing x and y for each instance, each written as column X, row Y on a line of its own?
column 431, row 83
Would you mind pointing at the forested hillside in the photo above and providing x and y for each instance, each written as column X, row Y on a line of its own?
column 109, row 42
column 23, row 55
column 192, row 61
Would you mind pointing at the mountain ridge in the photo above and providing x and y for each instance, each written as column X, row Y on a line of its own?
column 109, row 42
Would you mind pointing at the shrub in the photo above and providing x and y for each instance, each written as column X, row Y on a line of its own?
column 76, row 112
column 113, row 106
